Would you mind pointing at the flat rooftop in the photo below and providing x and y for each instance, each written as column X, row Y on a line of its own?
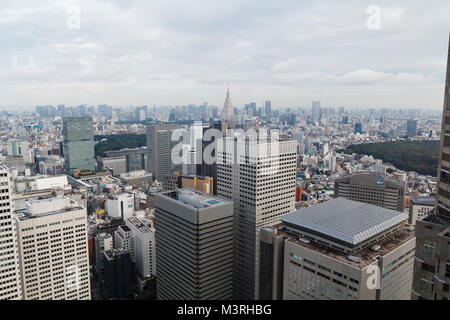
column 194, row 198
column 424, row 201
column 344, row 220
column 366, row 256
column 139, row 225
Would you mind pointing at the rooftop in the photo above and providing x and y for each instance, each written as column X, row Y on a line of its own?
column 366, row 256
column 194, row 198
column 345, row 220
column 424, row 201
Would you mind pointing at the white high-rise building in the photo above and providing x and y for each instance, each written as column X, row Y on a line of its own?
column 261, row 184
column 10, row 288
column 53, row 250
column 144, row 246
column 123, row 239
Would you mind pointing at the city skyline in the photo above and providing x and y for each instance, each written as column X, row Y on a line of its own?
column 290, row 53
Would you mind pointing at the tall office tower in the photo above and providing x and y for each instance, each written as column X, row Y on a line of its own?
column 53, row 250
column 10, row 287
column 358, row 128
column 411, row 128
column 159, row 148
column 194, row 246
column 261, row 184
column 78, row 144
column 210, row 169
column 228, row 112
column 316, row 110
column 338, row 250
column 103, row 242
column 143, row 238
column 432, row 266
column 370, row 187
column 267, row 108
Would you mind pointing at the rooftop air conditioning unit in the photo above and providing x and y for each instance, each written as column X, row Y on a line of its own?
column 354, row 259
column 376, row 247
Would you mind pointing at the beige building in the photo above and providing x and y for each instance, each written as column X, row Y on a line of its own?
column 370, row 187
column 53, row 250
column 338, row 250
column 261, row 183
column 10, row 288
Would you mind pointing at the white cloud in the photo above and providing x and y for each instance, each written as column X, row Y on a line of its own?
column 178, row 52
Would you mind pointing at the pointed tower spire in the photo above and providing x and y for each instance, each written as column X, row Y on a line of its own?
column 228, row 112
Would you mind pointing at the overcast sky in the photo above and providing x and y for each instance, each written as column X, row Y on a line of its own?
column 168, row 52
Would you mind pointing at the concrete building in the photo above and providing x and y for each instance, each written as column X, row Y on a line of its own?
column 103, row 242
column 375, row 188
column 159, row 148
column 144, row 247
column 117, row 165
column 194, row 246
column 420, row 208
column 119, row 272
column 261, row 183
column 137, row 178
column 135, row 158
column 120, row 205
column 78, row 145
column 10, row 282
column 124, row 239
column 338, row 250
column 432, row 266
column 19, row 148
column 53, row 250
column 411, row 128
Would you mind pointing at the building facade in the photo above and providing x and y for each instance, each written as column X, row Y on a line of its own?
column 432, row 266
column 374, row 188
column 338, row 250
column 78, row 144
column 159, row 148
column 261, row 183
column 10, row 282
column 194, row 246
column 53, row 250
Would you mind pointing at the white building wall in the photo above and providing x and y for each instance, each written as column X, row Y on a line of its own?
column 10, row 288
column 54, row 258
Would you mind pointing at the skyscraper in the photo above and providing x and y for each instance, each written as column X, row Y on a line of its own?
column 78, row 144
column 411, row 128
column 194, row 246
column 358, row 128
column 267, row 108
column 10, row 288
column 261, row 184
column 53, row 250
column 316, row 110
column 228, row 112
column 159, row 148
column 432, row 265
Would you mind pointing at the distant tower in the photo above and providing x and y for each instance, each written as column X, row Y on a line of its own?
column 228, row 112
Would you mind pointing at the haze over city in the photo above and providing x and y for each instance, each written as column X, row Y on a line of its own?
column 179, row 52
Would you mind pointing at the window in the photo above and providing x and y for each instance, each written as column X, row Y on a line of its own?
column 426, row 286
column 428, row 249
column 428, row 267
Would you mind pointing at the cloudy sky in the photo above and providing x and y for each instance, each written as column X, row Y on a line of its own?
column 173, row 52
